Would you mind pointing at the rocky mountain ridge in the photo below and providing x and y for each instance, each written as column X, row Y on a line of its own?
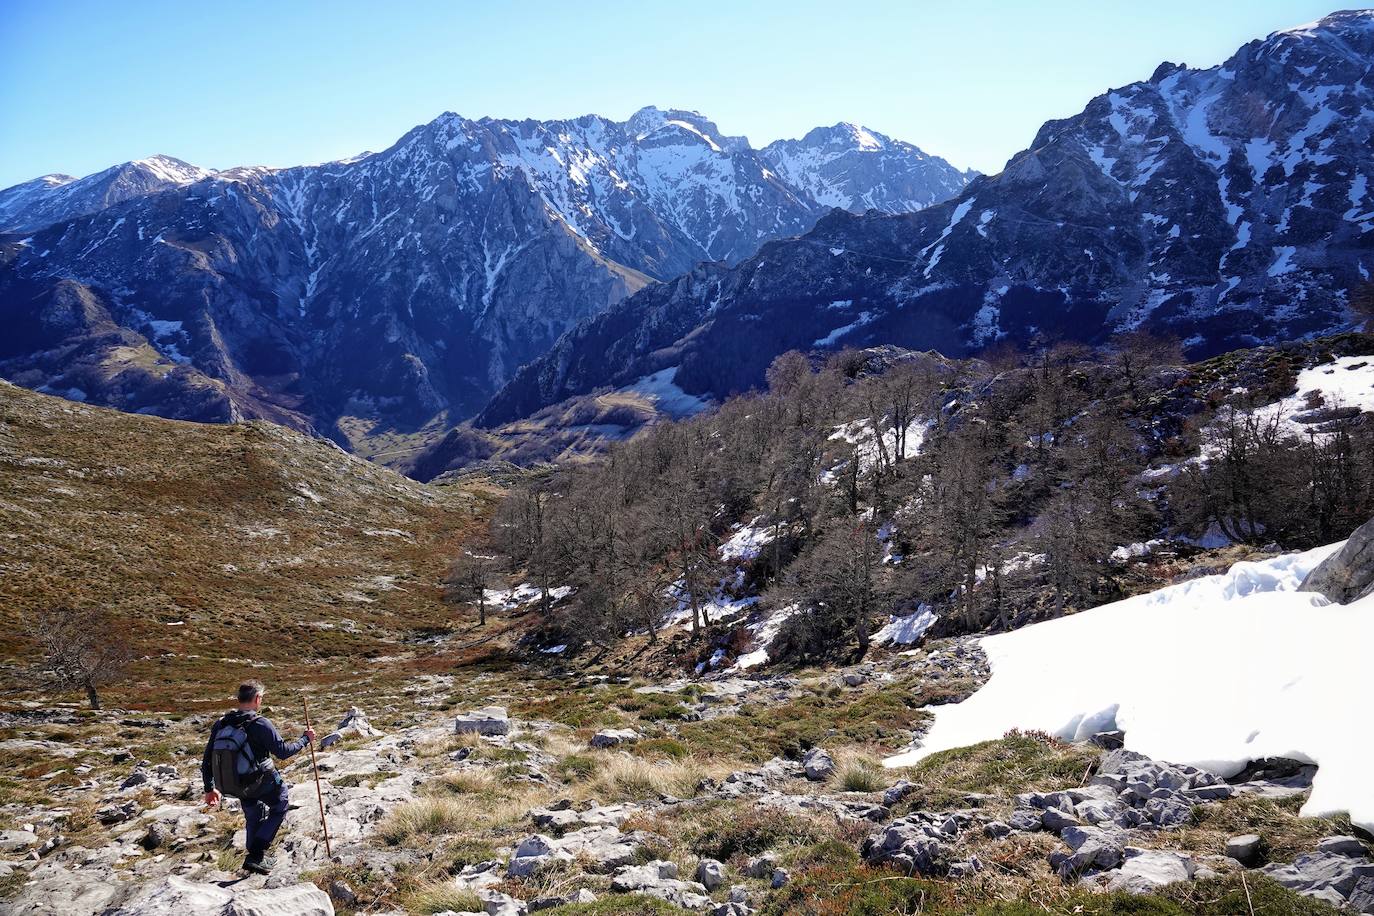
column 1228, row 207
column 369, row 297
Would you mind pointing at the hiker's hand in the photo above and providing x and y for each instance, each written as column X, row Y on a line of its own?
column 309, row 736
column 212, row 797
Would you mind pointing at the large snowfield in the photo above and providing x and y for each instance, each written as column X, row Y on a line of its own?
column 1214, row 672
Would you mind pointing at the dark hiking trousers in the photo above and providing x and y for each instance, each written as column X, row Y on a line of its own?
column 263, row 816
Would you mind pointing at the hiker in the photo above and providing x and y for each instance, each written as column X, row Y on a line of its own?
column 238, row 762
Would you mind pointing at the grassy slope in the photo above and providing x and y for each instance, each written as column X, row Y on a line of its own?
column 267, row 546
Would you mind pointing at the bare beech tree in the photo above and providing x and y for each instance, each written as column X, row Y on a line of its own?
column 468, row 579
column 82, row 650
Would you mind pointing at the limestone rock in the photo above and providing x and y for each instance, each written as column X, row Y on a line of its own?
column 818, row 764
column 614, row 737
column 1348, row 574
column 179, row 897
column 1146, row 870
column 487, row 721
column 1245, row 849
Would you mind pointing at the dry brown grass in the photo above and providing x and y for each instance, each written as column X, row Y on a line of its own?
column 224, row 551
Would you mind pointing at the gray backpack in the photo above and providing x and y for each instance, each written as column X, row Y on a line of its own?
column 237, row 773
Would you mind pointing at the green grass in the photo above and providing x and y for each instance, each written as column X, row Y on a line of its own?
column 880, row 717
column 1016, row 763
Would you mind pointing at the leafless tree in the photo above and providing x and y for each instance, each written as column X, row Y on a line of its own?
column 82, row 650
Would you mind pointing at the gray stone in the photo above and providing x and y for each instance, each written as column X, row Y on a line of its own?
column 353, row 724
column 1316, row 872
column 1361, row 899
column 818, row 764
column 659, row 879
column 1343, row 846
column 614, row 737
column 581, row 895
column 1055, row 820
column 488, row 721
column 495, row 903
column 1093, row 850
column 1245, row 849
column 179, row 897
column 1348, row 574
column 995, row 830
column 155, row 838
column 1026, row 820
column 710, row 873
column 780, row 877
column 17, row 840
column 761, row 866
column 1146, row 870
column 897, row 792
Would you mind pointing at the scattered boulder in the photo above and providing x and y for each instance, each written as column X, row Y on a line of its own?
column 1325, row 874
column 155, row 838
column 614, row 737
column 353, row 724
column 1026, row 820
column 1245, row 849
column 1348, row 574
column 179, row 897
column 659, row 879
column 761, row 866
column 581, row 895
column 489, row 721
column 897, row 792
column 818, row 764
column 1093, row 850
column 710, row 874
column 1146, row 870
column 780, row 878
column 17, row 840
column 995, row 830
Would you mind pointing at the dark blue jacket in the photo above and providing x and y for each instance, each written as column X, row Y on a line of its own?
column 263, row 739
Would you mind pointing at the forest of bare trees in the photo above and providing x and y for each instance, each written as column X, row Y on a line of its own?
column 993, row 490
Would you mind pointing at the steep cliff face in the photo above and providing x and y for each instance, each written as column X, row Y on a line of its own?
column 379, row 297
column 1229, row 206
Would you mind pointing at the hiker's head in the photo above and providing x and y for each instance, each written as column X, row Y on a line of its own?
column 250, row 694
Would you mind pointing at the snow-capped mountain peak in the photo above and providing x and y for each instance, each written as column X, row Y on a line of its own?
column 397, row 285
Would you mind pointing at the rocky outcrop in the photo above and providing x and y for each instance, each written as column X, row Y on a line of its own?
column 1348, row 574
column 180, row 897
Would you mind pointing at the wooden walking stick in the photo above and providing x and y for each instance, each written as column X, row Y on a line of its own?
column 319, row 794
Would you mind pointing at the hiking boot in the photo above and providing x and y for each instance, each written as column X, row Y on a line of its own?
column 259, row 865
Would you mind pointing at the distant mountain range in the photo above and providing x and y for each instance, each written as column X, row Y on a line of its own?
column 367, row 298
column 1229, row 206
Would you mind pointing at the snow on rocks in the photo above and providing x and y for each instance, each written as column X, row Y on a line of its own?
column 1281, row 671
column 907, row 630
column 489, row 721
column 180, row 897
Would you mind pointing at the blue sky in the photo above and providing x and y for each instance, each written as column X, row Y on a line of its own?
column 85, row 84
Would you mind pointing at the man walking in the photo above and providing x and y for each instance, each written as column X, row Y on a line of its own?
column 238, row 762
